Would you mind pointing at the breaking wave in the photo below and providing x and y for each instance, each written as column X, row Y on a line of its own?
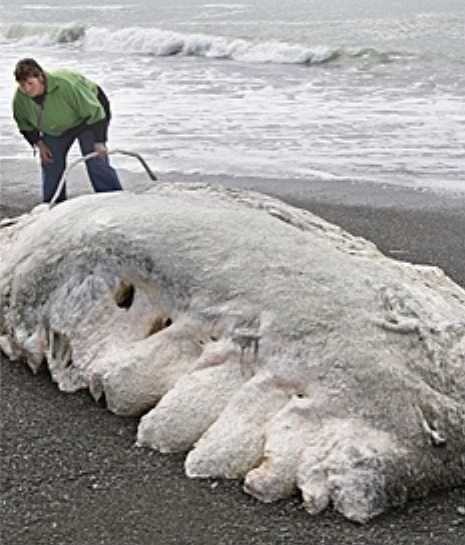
column 158, row 42
column 42, row 34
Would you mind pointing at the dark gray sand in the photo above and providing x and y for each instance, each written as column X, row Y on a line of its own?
column 70, row 472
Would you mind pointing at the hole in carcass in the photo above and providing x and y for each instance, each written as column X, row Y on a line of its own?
column 207, row 340
column 124, row 295
column 159, row 323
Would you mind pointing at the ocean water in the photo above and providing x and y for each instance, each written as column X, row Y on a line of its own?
column 356, row 90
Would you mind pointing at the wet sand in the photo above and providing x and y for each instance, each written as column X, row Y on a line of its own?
column 71, row 474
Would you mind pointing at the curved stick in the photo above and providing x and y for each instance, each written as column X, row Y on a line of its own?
column 91, row 156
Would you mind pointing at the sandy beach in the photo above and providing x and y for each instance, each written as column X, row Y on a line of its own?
column 71, row 474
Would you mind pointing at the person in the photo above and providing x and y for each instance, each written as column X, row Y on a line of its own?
column 52, row 110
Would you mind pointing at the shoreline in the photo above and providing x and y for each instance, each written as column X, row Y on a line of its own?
column 72, row 476
column 25, row 192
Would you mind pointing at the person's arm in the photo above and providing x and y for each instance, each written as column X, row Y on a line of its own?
column 31, row 134
column 32, row 137
column 89, row 108
column 26, row 128
column 100, row 131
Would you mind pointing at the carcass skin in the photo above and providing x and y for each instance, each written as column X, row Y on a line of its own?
column 270, row 345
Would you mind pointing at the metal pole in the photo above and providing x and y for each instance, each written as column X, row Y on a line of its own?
column 92, row 156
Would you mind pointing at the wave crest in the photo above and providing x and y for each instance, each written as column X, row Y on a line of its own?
column 158, row 42
column 43, row 34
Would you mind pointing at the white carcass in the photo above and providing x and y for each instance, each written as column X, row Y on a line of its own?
column 274, row 345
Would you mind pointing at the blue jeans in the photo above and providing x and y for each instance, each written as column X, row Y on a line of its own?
column 102, row 176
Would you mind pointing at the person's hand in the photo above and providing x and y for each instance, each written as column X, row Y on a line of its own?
column 46, row 155
column 100, row 148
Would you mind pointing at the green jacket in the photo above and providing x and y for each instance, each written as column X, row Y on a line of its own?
column 70, row 100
